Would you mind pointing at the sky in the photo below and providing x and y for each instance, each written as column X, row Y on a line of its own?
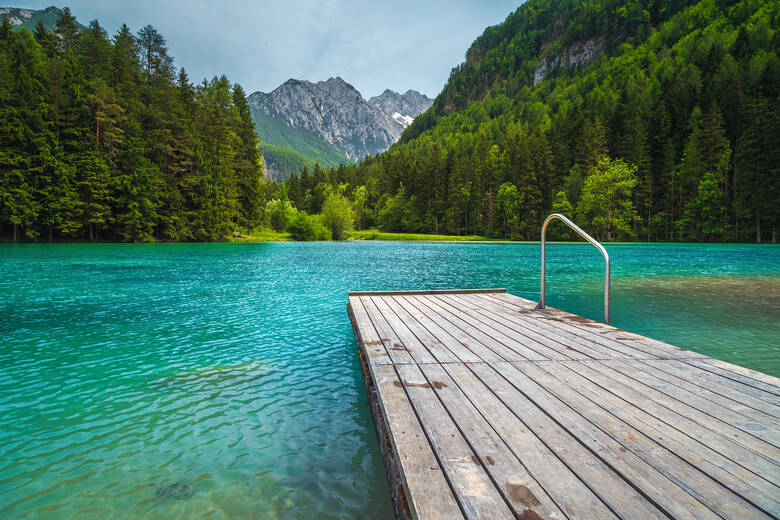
column 373, row 45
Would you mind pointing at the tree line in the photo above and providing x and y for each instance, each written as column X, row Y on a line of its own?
column 100, row 137
column 670, row 134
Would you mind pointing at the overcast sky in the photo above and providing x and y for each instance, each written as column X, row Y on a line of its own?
column 396, row 44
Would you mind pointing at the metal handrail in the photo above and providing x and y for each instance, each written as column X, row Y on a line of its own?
column 590, row 239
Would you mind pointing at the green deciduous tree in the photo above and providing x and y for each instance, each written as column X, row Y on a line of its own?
column 338, row 216
column 606, row 198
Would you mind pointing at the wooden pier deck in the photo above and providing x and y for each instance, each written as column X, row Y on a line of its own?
column 487, row 408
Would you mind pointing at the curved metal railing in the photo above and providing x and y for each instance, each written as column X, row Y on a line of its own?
column 590, row 239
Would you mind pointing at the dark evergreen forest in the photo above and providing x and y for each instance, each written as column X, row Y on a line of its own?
column 641, row 119
column 101, row 138
column 672, row 131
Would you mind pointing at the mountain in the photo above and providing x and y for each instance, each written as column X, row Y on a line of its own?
column 641, row 119
column 29, row 18
column 403, row 108
column 281, row 142
column 330, row 122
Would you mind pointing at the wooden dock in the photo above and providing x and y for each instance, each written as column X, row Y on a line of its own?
column 487, row 408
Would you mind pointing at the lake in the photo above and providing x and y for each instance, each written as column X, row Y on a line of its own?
column 232, row 368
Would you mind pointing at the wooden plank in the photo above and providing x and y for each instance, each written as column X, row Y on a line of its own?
column 472, row 486
column 648, row 370
column 439, row 351
column 667, row 491
column 723, row 386
column 617, row 493
column 427, row 491
column 430, row 329
column 451, row 337
column 554, row 334
column 772, row 383
column 488, row 414
column 752, row 452
column 366, row 334
column 407, row 339
column 561, row 483
column 596, row 330
column 519, row 489
column 642, row 460
column 395, row 349
column 523, row 345
column 720, row 467
column 469, row 334
column 750, row 421
column 743, row 375
column 540, row 345
column 578, row 330
column 429, row 291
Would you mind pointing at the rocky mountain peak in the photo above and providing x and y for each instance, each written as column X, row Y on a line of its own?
column 336, row 111
column 403, row 108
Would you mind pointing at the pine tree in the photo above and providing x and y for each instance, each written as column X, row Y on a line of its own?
column 67, row 31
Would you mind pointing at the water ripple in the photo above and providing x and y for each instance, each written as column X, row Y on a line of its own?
column 232, row 369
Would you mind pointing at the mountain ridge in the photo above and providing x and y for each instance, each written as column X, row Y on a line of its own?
column 333, row 119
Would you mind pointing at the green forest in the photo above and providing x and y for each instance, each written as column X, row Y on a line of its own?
column 670, row 133
column 668, row 130
column 101, row 138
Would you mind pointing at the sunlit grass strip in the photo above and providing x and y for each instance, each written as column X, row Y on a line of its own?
column 262, row 235
column 372, row 234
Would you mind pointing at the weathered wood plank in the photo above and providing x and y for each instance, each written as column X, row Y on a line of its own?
column 608, row 485
column 397, row 352
column 752, row 452
column 436, row 347
column 644, row 461
column 470, row 334
column 559, row 481
column 518, row 488
column 476, row 493
column 594, row 329
column 743, row 375
column 726, row 387
column 646, row 370
column 408, row 340
column 427, row 490
column 367, row 335
column 494, row 410
column 518, row 343
column 579, row 330
column 667, row 491
column 542, row 347
column 533, row 326
column 462, row 345
column 748, row 484
column 766, row 428
column 429, row 291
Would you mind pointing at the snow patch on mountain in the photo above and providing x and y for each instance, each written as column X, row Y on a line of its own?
column 403, row 119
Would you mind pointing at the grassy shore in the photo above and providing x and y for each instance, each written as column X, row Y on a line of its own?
column 269, row 235
column 372, row 234
column 263, row 235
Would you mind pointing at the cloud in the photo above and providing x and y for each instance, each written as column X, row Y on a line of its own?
column 260, row 44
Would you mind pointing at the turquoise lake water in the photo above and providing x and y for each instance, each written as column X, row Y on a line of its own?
column 232, row 369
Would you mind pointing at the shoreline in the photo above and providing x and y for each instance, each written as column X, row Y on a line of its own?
column 267, row 236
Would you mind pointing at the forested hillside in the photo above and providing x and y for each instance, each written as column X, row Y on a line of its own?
column 643, row 119
column 101, row 137
column 287, row 149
